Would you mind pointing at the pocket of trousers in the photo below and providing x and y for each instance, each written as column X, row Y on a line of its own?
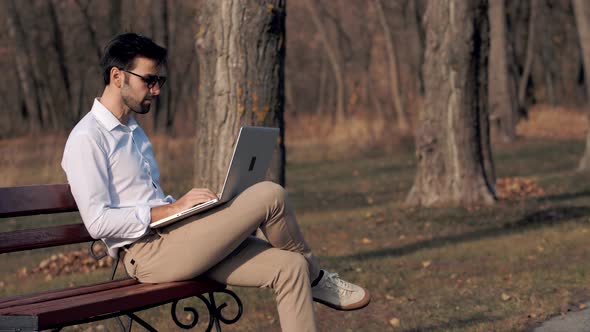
column 130, row 265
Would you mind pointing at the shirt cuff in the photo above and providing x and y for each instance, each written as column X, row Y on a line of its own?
column 143, row 214
column 170, row 199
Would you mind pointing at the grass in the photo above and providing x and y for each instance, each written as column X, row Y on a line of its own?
column 500, row 268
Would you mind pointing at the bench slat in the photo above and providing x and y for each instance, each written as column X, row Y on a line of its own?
column 60, row 312
column 43, row 237
column 37, row 199
column 62, row 293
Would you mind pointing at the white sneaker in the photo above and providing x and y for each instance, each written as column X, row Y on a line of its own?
column 339, row 294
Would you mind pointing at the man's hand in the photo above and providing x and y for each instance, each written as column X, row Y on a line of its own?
column 194, row 197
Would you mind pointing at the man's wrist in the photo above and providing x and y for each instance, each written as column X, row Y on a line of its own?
column 162, row 211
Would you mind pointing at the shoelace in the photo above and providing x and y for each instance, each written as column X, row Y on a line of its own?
column 341, row 286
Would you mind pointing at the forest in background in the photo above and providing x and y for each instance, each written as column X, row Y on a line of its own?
column 344, row 58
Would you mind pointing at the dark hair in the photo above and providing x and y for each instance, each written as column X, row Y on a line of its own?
column 122, row 50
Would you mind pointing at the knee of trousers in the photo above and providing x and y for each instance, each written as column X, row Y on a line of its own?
column 292, row 273
column 269, row 191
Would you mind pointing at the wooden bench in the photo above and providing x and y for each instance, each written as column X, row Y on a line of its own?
column 59, row 308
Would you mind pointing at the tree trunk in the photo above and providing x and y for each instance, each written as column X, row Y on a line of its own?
column 89, row 28
column 449, row 143
column 65, row 111
column 483, row 106
column 160, row 34
column 502, row 101
column 402, row 119
column 414, row 18
column 115, row 17
column 24, row 66
column 170, row 28
column 530, row 54
column 333, row 56
column 241, row 48
column 583, row 25
column 322, row 88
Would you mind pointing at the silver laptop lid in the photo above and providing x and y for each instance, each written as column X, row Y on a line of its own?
column 250, row 159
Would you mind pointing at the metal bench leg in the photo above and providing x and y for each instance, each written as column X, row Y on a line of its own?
column 141, row 322
column 216, row 316
column 122, row 325
column 215, row 312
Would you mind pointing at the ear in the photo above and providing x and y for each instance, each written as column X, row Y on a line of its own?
column 117, row 77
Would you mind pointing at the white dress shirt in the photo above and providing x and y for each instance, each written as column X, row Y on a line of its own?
column 113, row 176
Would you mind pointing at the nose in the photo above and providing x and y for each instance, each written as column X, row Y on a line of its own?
column 155, row 90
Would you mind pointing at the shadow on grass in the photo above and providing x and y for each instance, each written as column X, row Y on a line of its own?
column 545, row 217
column 456, row 324
column 564, row 196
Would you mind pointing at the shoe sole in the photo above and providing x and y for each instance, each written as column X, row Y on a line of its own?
column 355, row 306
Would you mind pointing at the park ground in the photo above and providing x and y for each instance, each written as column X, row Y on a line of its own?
column 506, row 267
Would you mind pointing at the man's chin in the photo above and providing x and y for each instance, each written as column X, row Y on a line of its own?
column 143, row 110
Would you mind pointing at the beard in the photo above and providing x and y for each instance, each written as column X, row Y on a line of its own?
column 139, row 107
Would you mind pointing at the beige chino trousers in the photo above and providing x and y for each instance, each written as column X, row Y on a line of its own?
column 218, row 244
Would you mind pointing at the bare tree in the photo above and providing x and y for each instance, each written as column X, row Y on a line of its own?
column 83, row 5
column 502, row 100
column 530, row 55
column 583, row 25
column 334, row 57
column 241, row 48
column 449, row 141
column 402, row 119
column 65, row 111
column 24, row 66
column 161, row 34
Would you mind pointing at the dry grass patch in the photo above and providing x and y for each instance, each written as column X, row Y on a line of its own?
column 554, row 122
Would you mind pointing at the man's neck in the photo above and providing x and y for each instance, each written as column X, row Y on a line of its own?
column 114, row 104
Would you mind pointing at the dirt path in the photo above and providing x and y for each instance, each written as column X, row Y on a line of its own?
column 578, row 321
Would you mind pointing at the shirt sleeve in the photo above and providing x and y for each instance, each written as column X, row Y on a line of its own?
column 170, row 199
column 87, row 169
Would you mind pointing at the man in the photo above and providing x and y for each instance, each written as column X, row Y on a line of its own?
column 114, row 177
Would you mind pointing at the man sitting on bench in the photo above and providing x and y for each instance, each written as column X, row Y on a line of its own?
column 114, row 179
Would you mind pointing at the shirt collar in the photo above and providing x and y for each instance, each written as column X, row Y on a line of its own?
column 107, row 119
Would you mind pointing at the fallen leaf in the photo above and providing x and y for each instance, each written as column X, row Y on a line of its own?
column 395, row 322
column 505, row 297
column 389, row 297
column 366, row 240
column 426, row 264
column 23, row 272
column 581, row 306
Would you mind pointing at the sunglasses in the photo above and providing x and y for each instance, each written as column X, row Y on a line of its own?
column 150, row 80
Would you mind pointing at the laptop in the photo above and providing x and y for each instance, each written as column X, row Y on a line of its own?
column 250, row 159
